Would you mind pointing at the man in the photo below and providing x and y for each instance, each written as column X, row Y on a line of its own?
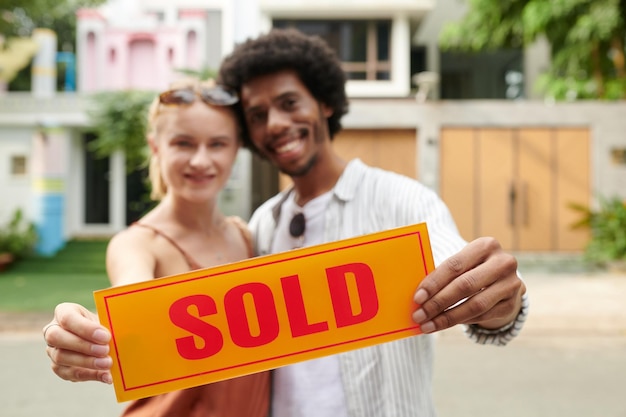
column 292, row 92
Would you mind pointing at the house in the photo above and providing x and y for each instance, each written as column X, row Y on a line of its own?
column 506, row 162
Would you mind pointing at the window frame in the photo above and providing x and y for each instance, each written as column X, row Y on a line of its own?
column 372, row 66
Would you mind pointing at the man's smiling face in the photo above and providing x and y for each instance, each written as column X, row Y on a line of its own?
column 285, row 122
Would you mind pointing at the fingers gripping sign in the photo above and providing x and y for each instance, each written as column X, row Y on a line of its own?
column 45, row 330
column 479, row 285
column 78, row 345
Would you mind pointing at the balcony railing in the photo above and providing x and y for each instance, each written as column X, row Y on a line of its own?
column 24, row 109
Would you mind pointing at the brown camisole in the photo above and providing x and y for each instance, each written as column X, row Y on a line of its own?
column 193, row 265
column 246, row 396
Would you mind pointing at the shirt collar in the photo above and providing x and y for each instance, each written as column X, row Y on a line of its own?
column 347, row 185
column 345, row 188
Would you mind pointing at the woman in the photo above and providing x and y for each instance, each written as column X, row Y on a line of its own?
column 193, row 138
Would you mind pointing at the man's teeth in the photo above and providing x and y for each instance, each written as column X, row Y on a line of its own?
column 289, row 146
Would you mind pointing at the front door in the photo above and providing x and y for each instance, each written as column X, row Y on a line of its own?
column 96, row 185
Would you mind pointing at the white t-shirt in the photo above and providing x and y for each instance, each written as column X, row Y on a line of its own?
column 311, row 388
column 314, row 223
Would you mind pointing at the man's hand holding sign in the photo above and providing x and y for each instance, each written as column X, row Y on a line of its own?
column 265, row 312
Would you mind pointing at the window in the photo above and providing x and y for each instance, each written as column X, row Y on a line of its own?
column 157, row 15
column 618, row 155
column 193, row 59
column 364, row 46
column 18, row 165
column 485, row 75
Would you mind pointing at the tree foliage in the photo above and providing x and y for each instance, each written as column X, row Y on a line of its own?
column 608, row 229
column 204, row 73
column 20, row 17
column 587, row 39
column 119, row 120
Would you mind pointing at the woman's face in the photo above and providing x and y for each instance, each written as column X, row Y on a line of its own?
column 196, row 147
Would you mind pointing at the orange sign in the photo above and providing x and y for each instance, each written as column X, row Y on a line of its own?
column 262, row 313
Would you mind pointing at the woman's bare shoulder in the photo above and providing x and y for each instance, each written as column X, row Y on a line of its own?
column 131, row 256
column 133, row 236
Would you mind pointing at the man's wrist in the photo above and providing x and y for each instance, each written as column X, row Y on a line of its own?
column 501, row 324
column 504, row 334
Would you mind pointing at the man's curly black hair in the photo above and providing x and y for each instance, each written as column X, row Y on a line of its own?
column 314, row 61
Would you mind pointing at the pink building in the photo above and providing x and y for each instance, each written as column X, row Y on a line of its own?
column 143, row 49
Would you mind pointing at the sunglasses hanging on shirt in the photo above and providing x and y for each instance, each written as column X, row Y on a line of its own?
column 297, row 225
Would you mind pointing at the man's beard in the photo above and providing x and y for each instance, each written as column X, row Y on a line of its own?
column 303, row 170
column 318, row 137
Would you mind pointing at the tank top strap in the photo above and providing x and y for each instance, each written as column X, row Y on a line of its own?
column 190, row 261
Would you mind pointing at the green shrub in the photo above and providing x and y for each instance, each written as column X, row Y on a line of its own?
column 19, row 236
column 608, row 230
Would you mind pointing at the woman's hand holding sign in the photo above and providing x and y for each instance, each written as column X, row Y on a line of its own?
column 78, row 345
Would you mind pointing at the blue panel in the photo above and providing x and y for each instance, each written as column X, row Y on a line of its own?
column 50, row 224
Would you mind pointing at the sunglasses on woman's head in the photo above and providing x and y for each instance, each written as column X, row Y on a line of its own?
column 215, row 96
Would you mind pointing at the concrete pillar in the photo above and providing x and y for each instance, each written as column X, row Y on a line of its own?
column 49, row 180
column 536, row 62
column 44, row 72
column 117, row 202
column 401, row 43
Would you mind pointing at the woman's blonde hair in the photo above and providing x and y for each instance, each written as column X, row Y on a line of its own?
column 159, row 187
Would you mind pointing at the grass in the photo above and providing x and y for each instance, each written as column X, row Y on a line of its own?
column 38, row 284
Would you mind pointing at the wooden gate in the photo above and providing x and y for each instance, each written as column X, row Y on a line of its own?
column 516, row 184
column 394, row 150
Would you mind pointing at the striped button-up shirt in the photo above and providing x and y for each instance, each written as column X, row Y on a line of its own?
column 392, row 379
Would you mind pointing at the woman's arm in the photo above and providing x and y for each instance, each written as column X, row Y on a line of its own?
column 77, row 344
column 129, row 257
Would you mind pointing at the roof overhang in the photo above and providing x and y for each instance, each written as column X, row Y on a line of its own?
column 344, row 9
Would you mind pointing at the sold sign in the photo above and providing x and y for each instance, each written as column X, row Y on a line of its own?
column 262, row 313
